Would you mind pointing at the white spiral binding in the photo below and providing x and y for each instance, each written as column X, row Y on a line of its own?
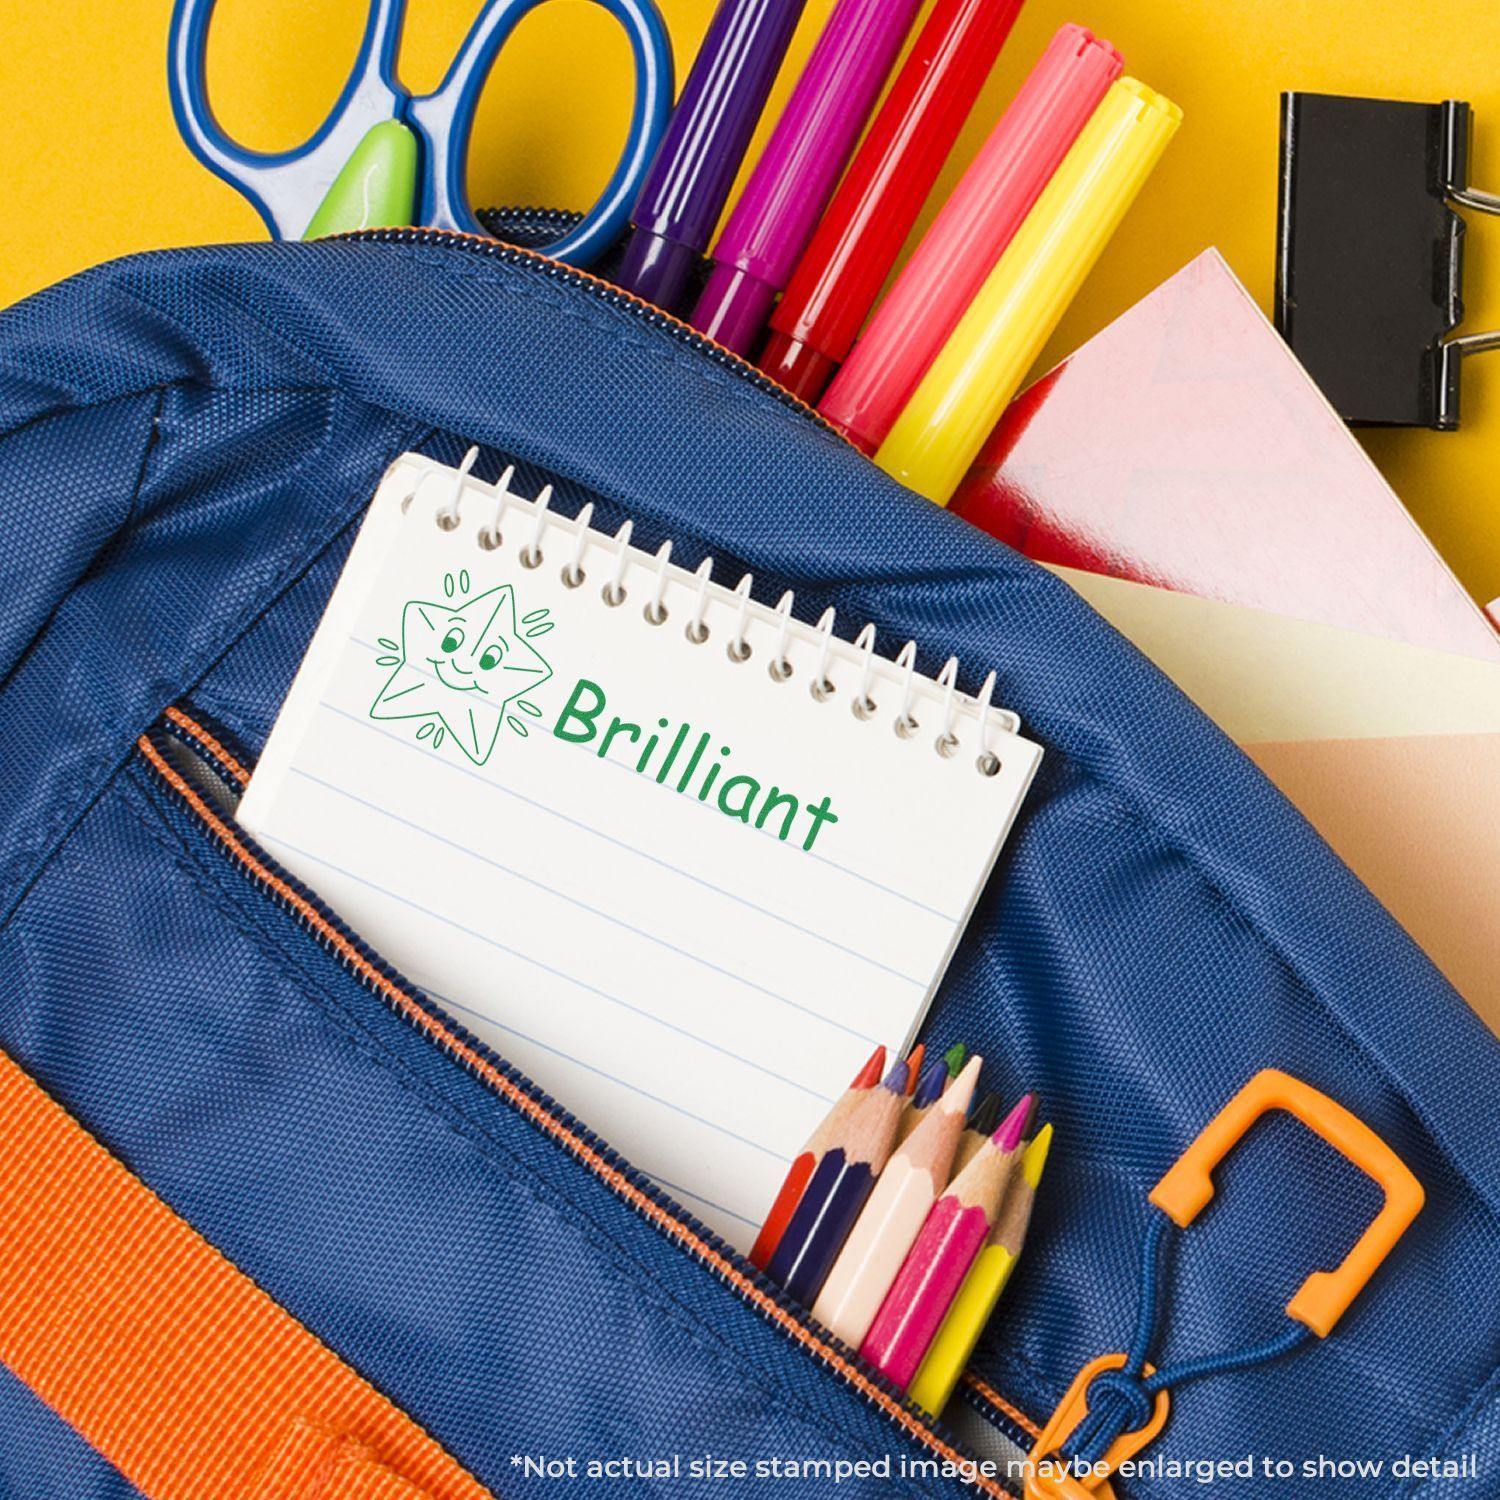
column 746, row 614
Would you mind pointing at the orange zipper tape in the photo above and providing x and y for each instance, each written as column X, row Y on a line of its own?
column 588, row 1155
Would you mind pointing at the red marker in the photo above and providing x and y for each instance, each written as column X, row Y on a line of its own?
column 846, row 262
column 967, row 237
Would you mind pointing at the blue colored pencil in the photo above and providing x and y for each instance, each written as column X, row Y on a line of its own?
column 929, row 1090
column 838, row 1190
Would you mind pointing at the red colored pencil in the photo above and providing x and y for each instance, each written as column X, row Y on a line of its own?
column 932, row 1273
column 806, row 1161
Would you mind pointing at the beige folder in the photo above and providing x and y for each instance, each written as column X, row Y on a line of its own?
column 1391, row 751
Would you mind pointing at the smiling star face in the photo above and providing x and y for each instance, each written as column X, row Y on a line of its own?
column 462, row 663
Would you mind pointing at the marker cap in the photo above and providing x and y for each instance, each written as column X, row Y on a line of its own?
column 943, row 426
column 969, row 234
column 733, row 307
column 802, row 369
column 657, row 268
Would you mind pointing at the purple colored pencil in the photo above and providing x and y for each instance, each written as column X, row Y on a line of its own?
column 929, row 1089
column 791, row 183
column 706, row 140
column 838, row 1190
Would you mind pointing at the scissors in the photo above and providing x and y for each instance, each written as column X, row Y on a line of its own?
column 385, row 156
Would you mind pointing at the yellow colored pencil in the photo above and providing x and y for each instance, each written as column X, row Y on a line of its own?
column 976, row 1299
column 908, row 1187
column 958, row 401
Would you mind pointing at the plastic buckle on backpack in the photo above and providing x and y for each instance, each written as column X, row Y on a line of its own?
column 1050, row 1477
column 1323, row 1298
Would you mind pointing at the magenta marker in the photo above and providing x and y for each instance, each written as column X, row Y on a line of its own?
column 792, row 181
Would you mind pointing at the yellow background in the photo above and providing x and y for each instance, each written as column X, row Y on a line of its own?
column 94, row 166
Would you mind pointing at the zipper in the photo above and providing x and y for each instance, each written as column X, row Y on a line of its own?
column 700, row 1242
column 596, row 287
column 636, row 1190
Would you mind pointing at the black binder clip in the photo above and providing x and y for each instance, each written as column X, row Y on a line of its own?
column 1369, row 253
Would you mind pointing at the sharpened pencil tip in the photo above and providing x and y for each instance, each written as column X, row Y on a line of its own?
column 895, row 1080
column 954, row 1057
column 961, row 1091
column 931, row 1084
column 1008, row 1136
column 869, row 1075
column 1034, row 1158
column 914, row 1065
column 986, row 1114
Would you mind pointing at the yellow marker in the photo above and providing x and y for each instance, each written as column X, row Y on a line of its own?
column 981, row 1288
column 941, row 429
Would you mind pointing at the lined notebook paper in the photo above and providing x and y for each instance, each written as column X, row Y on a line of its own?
column 630, row 849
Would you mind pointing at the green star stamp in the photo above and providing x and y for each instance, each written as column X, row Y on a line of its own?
column 462, row 666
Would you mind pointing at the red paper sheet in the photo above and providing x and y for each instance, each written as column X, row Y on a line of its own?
column 1185, row 447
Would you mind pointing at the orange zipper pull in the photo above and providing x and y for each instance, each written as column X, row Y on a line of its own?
column 1053, row 1477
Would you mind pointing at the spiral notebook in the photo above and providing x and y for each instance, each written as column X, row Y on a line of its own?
column 679, row 856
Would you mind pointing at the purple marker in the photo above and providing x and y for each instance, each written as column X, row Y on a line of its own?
column 790, row 186
column 700, row 154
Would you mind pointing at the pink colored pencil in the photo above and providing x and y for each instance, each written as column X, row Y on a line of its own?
column 932, row 1273
column 892, row 1219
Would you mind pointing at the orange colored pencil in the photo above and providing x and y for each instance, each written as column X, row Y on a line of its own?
column 914, row 1067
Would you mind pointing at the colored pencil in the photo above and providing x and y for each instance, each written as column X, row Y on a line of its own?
column 894, row 1216
column 914, row 1066
column 981, row 1127
column 955, row 1057
column 983, row 1285
column 947, row 1246
column 801, row 1170
column 928, row 1091
column 838, row 1189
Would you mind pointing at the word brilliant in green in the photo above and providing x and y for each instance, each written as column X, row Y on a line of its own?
column 658, row 754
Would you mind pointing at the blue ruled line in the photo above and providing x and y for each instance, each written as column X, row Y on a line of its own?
column 448, row 921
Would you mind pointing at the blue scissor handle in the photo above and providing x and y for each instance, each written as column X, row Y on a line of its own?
column 444, row 121
column 288, row 186
column 285, row 186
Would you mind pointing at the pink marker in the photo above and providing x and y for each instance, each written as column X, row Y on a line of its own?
column 953, row 1235
column 968, row 236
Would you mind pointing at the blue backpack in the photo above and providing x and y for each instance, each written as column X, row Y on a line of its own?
column 188, row 442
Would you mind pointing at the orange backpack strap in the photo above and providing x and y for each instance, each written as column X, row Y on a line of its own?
column 162, row 1355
